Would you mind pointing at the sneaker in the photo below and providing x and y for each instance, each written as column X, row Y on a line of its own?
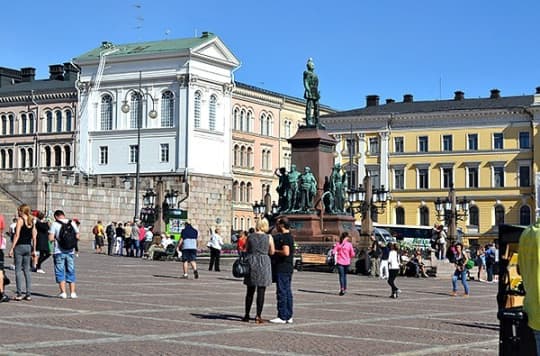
column 62, row 295
column 341, row 292
column 4, row 299
column 74, row 295
column 185, row 276
column 466, row 295
column 278, row 321
column 40, row 271
column 196, row 274
column 453, row 294
column 290, row 321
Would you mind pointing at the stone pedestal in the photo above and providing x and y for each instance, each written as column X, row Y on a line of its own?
column 314, row 148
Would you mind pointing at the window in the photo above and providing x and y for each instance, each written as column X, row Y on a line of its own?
column 235, row 191
column 11, row 124
column 525, row 215
column 351, row 146
column 23, row 124
column 167, row 109
column 399, row 178
column 472, row 175
column 424, row 216
column 248, row 127
column 422, row 144
column 103, row 155
column 164, row 148
column 236, row 119
column 447, row 142
column 266, row 159
column 263, row 124
column 448, row 177
column 10, row 158
column 58, row 121
column 133, row 153
column 67, row 156
column 49, row 121
column 524, row 140
column 4, row 125
column 499, row 215
column 524, row 176
column 68, row 120
column 498, row 141
column 287, row 125
column 374, row 145
column 269, row 123
column 398, row 144
column 472, row 142
column 498, row 177
column 212, row 113
column 22, row 152
column 375, row 178
column 106, row 113
column 31, row 123
column 474, row 216
column 197, row 109
column 400, row 216
column 57, row 156
column 423, row 178
column 30, row 157
column 135, row 110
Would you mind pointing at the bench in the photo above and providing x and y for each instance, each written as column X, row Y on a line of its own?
column 312, row 260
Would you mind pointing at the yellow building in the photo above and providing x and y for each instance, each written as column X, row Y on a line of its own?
column 483, row 148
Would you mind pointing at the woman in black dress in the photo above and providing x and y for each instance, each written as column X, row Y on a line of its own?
column 42, row 227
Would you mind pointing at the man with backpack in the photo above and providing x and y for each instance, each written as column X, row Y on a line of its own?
column 490, row 262
column 110, row 231
column 65, row 235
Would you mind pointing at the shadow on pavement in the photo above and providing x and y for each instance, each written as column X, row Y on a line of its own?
column 436, row 293
column 476, row 325
column 372, row 295
column 230, row 279
column 316, row 291
column 216, row 316
column 165, row 276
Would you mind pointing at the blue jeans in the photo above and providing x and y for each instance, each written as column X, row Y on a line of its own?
column 342, row 270
column 23, row 257
column 489, row 270
column 461, row 275
column 64, row 268
column 537, row 338
column 284, row 295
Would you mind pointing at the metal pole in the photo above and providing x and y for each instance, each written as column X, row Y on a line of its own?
column 452, row 228
column 138, row 163
column 367, row 222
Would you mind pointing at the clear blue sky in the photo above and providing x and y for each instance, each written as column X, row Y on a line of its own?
column 428, row 48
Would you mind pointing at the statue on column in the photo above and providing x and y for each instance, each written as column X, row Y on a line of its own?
column 311, row 94
column 308, row 189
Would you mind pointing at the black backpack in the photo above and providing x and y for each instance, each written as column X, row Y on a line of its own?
column 67, row 238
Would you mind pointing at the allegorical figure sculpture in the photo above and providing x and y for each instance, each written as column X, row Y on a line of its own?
column 311, row 94
column 293, row 178
column 282, row 188
column 308, row 188
column 338, row 187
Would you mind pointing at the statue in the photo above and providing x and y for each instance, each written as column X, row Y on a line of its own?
column 308, row 188
column 282, row 188
column 292, row 193
column 338, row 187
column 311, row 94
column 327, row 197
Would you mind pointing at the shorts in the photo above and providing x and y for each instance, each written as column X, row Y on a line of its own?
column 99, row 241
column 189, row 255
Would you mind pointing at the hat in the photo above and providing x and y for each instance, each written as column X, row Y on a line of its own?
column 76, row 220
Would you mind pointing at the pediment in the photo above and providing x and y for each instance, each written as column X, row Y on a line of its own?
column 217, row 50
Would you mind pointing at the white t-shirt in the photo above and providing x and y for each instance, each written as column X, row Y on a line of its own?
column 55, row 229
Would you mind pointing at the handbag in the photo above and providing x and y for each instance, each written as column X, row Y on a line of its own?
column 331, row 258
column 6, row 280
column 241, row 267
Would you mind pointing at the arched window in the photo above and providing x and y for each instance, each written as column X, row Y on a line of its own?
column 236, row 191
column 24, row 123
column 499, row 215
column 106, row 113
column 58, row 121
column 30, row 157
column 236, row 119
column 197, row 109
column 235, row 155
column 31, row 123
column 249, row 157
column 424, row 216
column 242, row 226
column 269, row 125
column 22, row 158
column 57, row 156
column 167, row 109
column 4, row 125
column 11, row 124
column 249, row 192
column 242, row 192
column 48, row 155
column 135, row 110
column 10, row 158
column 400, row 216
column 3, row 159
column 235, row 223
column 49, row 119
column 262, row 122
column 242, row 120
column 474, row 216
column 249, row 122
column 67, row 156
column 69, row 118
column 525, row 215
column 212, row 109
column 243, row 159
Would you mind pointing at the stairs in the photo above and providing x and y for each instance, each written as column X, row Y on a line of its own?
column 8, row 205
column 445, row 269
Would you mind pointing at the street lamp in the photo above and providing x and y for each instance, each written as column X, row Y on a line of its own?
column 259, row 208
column 152, row 114
column 148, row 212
column 171, row 198
column 451, row 210
column 368, row 201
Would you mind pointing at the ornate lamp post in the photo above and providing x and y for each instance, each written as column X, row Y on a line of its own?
column 148, row 212
column 451, row 210
column 368, row 201
column 259, row 208
column 152, row 114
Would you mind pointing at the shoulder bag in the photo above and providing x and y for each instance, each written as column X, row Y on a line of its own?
column 241, row 267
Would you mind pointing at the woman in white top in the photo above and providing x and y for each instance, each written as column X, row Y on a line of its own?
column 393, row 269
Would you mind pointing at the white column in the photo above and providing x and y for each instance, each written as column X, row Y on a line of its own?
column 384, row 155
column 362, row 149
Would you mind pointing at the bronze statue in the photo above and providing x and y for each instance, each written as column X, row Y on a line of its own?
column 308, row 188
column 282, row 188
column 338, row 187
column 311, row 94
column 293, row 189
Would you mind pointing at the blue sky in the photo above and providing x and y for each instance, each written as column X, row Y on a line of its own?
column 386, row 47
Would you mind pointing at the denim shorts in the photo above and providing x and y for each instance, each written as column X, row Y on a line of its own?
column 189, row 255
column 64, row 267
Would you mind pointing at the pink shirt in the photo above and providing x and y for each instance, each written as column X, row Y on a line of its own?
column 344, row 252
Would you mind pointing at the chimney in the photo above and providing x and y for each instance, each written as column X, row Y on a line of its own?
column 372, row 100
column 206, row 34
column 537, row 90
column 407, row 98
column 70, row 71
column 390, row 101
column 495, row 94
column 28, row 74
column 459, row 95
column 56, row 72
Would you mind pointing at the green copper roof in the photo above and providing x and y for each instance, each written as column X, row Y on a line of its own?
column 153, row 47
